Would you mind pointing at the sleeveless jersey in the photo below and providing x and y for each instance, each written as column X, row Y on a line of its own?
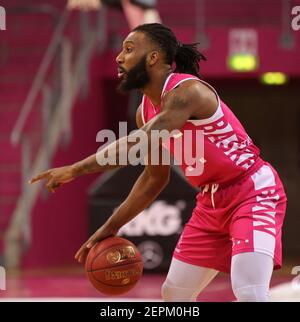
column 228, row 153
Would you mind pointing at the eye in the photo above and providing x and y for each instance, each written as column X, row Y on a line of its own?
column 128, row 50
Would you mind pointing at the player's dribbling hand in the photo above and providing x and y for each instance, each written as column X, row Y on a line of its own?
column 102, row 233
column 55, row 177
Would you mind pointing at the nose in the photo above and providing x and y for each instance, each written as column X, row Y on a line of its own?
column 119, row 59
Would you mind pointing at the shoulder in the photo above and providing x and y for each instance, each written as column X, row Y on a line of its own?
column 194, row 96
column 186, row 93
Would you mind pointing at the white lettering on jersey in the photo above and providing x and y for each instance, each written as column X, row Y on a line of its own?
column 221, row 133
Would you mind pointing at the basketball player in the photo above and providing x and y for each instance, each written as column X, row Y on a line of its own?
column 236, row 224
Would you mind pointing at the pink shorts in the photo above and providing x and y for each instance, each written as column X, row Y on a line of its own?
column 248, row 217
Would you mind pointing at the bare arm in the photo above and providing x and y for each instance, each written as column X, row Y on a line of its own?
column 186, row 101
column 148, row 186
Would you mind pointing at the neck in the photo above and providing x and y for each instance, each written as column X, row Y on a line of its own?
column 154, row 88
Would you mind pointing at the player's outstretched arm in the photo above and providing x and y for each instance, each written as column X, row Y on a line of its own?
column 177, row 107
column 97, row 162
column 56, row 177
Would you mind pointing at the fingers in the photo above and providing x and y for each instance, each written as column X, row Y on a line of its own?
column 39, row 177
column 81, row 249
column 52, row 185
column 84, row 249
column 91, row 243
column 82, row 253
column 99, row 235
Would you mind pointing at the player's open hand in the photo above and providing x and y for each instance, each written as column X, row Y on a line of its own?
column 102, row 233
column 55, row 177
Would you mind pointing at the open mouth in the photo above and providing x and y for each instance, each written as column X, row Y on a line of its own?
column 121, row 72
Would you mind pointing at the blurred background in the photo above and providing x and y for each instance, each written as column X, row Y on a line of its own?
column 57, row 90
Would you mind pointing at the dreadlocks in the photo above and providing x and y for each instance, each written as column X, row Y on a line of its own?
column 185, row 56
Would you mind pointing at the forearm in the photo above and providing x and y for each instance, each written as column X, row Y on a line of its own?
column 143, row 193
column 91, row 165
column 105, row 159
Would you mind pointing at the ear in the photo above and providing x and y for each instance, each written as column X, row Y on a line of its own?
column 153, row 58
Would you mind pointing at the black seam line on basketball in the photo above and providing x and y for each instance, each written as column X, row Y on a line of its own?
column 106, row 268
column 104, row 251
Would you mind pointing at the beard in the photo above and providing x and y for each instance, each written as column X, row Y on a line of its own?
column 136, row 78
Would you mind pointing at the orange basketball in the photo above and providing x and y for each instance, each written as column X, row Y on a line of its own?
column 114, row 266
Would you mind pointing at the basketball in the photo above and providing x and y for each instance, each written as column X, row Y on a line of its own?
column 114, row 266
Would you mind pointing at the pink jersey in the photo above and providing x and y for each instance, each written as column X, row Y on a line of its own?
column 229, row 153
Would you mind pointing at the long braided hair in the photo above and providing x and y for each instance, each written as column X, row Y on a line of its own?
column 185, row 56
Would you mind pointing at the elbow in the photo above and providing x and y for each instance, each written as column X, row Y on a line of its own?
column 157, row 176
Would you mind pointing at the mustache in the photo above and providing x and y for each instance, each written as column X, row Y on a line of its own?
column 136, row 77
